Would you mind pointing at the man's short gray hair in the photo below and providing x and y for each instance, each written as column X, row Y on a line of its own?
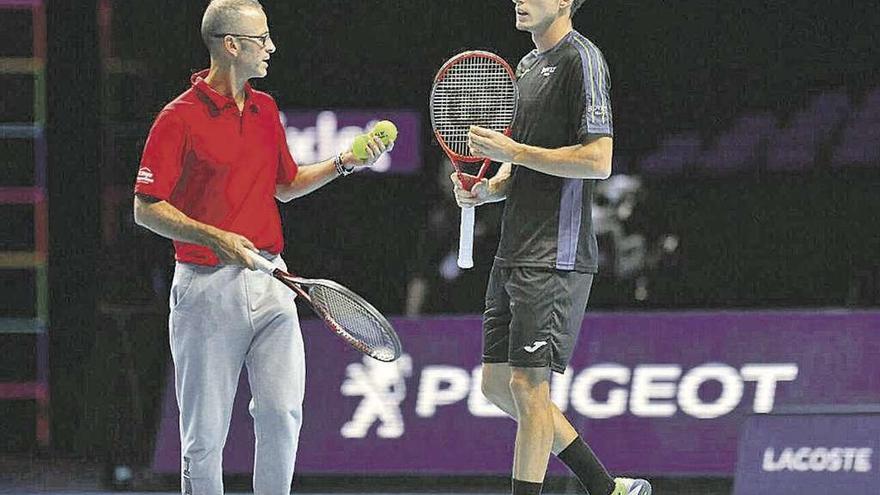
column 575, row 5
column 221, row 15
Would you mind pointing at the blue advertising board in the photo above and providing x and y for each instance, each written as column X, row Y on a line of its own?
column 809, row 454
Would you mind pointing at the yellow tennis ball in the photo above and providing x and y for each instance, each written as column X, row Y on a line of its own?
column 386, row 131
column 359, row 147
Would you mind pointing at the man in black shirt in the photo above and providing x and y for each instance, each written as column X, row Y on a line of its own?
column 539, row 284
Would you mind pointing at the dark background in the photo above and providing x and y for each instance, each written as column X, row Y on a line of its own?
column 748, row 239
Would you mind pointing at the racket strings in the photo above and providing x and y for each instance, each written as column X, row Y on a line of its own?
column 473, row 91
column 356, row 320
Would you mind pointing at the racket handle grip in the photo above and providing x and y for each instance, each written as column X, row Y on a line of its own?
column 466, row 238
column 261, row 263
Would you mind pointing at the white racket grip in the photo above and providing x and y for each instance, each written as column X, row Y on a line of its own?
column 466, row 238
column 261, row 263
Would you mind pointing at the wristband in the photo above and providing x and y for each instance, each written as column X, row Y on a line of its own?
column 340, row 168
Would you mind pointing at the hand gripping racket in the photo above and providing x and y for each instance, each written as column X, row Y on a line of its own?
column 472, row 88
column 344, row 313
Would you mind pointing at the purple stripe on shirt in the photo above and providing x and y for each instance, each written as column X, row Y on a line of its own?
column 597, row 108
column 570, row 209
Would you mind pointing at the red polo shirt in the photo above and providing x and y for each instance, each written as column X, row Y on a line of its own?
column 218, row 165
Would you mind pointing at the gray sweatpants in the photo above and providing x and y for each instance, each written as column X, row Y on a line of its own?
column 222, row 318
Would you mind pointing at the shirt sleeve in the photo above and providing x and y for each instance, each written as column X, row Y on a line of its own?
column 287, row 167
column 590, row 93
column 162, row 160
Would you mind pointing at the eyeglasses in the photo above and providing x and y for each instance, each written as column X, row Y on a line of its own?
column 261, row 39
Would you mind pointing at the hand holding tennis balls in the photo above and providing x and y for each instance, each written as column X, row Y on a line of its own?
column 384, row 130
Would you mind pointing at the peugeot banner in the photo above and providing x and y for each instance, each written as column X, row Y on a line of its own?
column 653, row 393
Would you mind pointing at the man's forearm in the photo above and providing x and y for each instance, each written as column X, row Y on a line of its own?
column 308, row 179
column 585, row 161
column 166, row 220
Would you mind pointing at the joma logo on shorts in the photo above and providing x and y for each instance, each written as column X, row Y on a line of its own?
column 534, row 347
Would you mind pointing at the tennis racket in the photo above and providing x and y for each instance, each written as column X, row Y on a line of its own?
column 344, row 313
column 472, row 88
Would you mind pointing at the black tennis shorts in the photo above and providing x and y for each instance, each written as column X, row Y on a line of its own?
column 533, row 316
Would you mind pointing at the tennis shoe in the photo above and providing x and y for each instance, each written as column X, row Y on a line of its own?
column 629, row 486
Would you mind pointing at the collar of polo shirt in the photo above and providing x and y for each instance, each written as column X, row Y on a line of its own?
column 218, row 100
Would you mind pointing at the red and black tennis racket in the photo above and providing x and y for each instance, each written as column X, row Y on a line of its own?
column 472, row 88
column 344, row 313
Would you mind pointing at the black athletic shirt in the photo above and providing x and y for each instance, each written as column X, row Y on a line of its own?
column 564, row 100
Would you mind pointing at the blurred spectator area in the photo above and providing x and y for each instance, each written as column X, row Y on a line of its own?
column 832, row 129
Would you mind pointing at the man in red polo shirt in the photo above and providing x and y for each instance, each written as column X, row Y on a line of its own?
column 214, row 163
